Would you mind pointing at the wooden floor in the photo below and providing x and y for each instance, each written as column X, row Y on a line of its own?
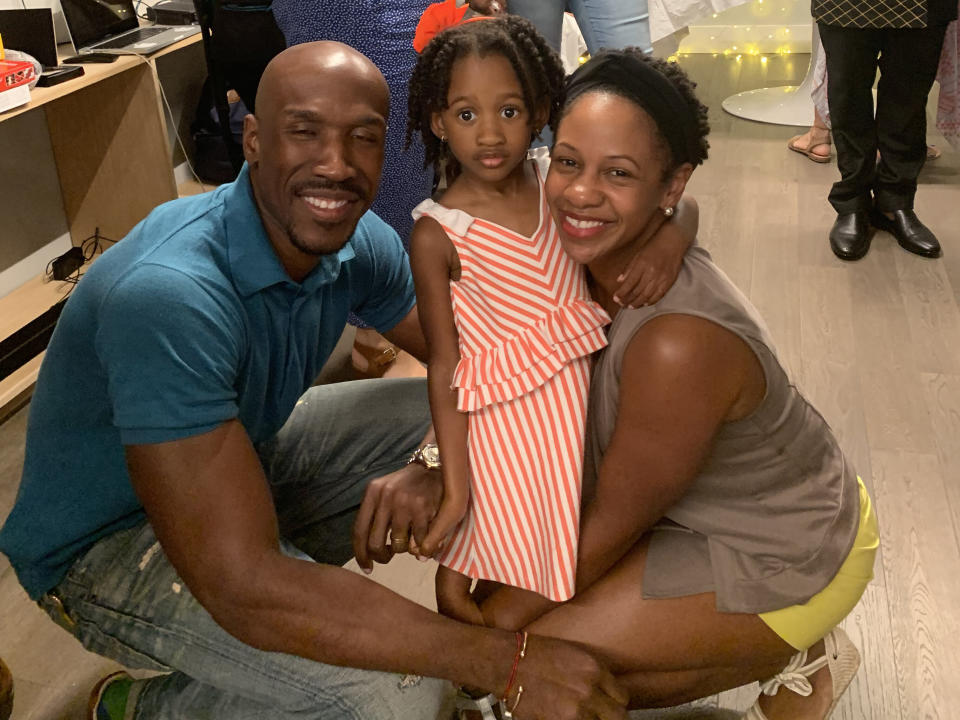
column 875, row 344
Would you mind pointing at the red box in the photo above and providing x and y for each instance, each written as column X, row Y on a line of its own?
column 14, row 73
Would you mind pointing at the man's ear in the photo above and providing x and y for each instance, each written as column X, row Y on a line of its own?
column 676, row 184
column 251, row 140
column 436, row 126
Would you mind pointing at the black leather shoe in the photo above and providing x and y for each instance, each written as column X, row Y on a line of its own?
column 850, row 235
column 911, row 234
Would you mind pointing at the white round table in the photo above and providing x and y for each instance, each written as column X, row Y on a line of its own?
column 784, row 105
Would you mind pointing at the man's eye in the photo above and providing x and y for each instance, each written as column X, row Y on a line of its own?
column 366, row 138
column 303, row 131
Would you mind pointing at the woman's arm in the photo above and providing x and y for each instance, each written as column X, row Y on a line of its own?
column 432, row 259
column 682, row 378
column 654, row 269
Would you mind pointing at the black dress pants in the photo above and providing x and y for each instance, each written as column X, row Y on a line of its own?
column 908, row 60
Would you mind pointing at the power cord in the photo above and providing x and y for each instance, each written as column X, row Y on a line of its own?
column 176, row 129
column 66, row 267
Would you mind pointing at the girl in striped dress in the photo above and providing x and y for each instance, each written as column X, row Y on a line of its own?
column 507, row 317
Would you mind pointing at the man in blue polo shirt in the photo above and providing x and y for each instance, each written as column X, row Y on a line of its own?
column 186, row 500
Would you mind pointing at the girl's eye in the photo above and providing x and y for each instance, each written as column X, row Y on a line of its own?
column 510, row 112
column 465, row 115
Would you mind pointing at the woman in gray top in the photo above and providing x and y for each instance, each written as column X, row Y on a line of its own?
column 724, row 534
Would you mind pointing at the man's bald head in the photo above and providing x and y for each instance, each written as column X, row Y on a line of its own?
column 287, row 71
column 315, row 148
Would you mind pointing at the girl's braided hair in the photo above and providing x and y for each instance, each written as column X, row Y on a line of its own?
column 537, row 66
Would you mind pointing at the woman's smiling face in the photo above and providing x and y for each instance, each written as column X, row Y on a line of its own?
column 605, row 184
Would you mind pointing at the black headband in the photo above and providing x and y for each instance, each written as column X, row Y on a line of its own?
column 648, row 88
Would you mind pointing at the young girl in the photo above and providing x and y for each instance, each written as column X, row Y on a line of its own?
column 506, row 315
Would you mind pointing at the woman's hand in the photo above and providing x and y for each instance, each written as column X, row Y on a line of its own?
column 453, row 597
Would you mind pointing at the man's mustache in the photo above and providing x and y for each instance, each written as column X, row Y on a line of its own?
column 330, row 185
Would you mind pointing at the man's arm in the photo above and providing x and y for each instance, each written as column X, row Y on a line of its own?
column 408, row 335
column 210, row 506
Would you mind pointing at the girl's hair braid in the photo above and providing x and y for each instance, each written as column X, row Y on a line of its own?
column 537, row 66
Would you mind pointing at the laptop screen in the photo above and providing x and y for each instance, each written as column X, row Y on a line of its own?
column 93, row 20
column 30, row 31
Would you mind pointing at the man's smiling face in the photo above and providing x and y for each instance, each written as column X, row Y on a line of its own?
column 315, row 149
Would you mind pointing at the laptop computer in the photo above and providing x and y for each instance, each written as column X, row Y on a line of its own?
column 32, row 32
column 112, row 26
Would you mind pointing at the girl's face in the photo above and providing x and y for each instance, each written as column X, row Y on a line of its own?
column 605, row 186
column 486, row 123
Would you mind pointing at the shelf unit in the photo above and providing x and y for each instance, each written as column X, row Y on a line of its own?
column 109, row 141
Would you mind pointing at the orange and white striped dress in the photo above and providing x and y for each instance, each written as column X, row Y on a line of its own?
column 527, row 330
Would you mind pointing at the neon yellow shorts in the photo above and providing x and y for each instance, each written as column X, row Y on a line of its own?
column 802, row 625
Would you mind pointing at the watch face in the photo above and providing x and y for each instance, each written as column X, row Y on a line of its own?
column 431, row 455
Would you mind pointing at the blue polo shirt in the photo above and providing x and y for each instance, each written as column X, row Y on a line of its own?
column 190, row 321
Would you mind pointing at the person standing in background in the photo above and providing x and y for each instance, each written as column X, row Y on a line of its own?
column 903, row 38
column 604, row 23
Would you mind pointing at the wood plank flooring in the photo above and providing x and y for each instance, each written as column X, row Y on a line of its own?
column 876, row 346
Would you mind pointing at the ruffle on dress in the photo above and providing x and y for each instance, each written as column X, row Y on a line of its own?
column 532, row 357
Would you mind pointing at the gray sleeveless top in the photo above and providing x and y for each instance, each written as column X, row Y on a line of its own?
column 776, row 507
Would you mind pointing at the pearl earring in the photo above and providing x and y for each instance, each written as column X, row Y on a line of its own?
column 668, row 211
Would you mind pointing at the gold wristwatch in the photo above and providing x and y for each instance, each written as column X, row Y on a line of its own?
column 428, row 455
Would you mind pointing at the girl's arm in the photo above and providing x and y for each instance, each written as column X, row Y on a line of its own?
column 654, row 269
column 432, row 259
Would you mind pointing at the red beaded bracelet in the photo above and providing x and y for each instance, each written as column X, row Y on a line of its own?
column 521, row 653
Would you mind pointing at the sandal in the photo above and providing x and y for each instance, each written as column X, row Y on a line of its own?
column 808, row 151
column 372, row 361
column 485, row 707
column 840, row 656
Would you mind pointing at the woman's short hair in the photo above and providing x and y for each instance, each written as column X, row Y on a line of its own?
column 662, row 89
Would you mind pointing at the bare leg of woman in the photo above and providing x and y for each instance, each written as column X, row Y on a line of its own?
column 674, row 650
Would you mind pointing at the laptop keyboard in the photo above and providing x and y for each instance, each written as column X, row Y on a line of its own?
column 131, row 38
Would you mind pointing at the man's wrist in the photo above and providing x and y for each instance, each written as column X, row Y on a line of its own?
column 427, row 455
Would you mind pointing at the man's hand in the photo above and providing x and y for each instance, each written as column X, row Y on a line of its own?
column 562, row 681
column 402, row 503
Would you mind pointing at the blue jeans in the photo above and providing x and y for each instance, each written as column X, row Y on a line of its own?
column 124, row 600
column 604, row 23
